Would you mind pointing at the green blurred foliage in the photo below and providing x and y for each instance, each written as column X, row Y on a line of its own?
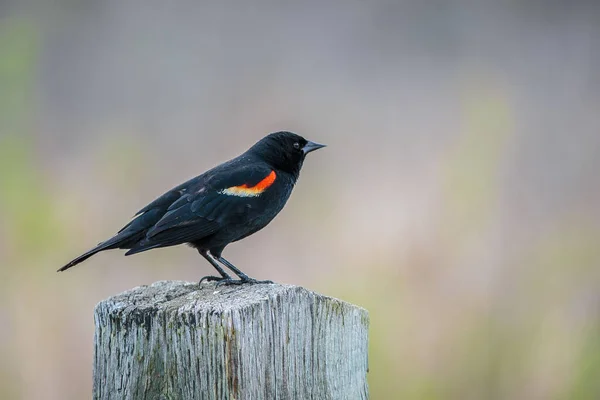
column 471, row 184
column 26, row 201
column 27, row 204
column 18, row 51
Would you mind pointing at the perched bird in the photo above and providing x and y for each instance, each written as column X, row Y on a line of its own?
column 223, row 205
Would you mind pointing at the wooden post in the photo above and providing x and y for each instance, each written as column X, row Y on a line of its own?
column 179, row 340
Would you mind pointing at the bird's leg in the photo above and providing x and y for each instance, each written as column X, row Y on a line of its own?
column 243, row 277
column 224, row 275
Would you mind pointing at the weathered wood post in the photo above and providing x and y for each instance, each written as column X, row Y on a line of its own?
column 178, row 340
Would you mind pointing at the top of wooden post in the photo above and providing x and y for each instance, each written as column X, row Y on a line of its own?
column 176, row 339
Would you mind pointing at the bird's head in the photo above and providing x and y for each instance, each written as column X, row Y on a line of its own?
column 284, row 150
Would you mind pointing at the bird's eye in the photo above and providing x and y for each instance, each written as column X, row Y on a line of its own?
column 296, row 145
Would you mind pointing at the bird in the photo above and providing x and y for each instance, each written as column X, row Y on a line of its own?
column 223, row 205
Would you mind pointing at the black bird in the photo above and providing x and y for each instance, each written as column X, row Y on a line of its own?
column 221, row 206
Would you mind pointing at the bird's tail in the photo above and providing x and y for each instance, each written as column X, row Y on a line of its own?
column 84, row 256
column 123, row 240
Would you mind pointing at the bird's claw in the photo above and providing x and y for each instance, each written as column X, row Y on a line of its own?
column 212, row 278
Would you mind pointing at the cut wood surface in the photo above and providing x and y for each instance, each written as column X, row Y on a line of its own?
column 179, row 340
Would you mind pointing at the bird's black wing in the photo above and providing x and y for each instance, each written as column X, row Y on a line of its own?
column 202, row 211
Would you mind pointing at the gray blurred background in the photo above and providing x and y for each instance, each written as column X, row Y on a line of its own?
column 458, row 200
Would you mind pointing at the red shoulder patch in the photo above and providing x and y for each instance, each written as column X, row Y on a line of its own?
column 251, row 191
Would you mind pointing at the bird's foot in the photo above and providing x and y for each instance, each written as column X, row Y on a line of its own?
column 240, row 281
column 212, row 278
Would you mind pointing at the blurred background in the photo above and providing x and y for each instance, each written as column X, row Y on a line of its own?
column 458, row 200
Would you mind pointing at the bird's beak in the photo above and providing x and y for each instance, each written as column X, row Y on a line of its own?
column 311, row 146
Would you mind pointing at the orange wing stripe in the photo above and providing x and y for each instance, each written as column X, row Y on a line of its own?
column 246, row 191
